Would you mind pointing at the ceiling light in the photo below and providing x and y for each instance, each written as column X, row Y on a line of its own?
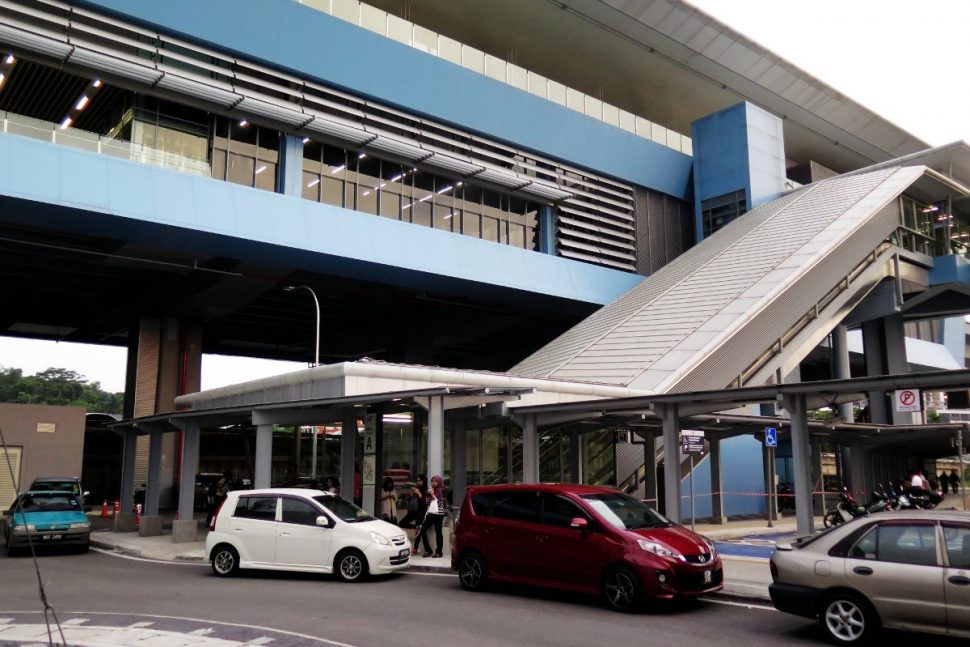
column 315, row 182
column 243, row 123
column 366, row 193
column 449, row 215
column 260, row 169
column 1, row 78
column 97, row 83
column 66, row 123
column 9, row 60
column 396, row 178
column 459, row 183
column 362, row 156
column 339, row 168
column 306, row 140
column 930, row 209
column 446, row 189
column 407, row 206
column 82, row 103
column 425, row 198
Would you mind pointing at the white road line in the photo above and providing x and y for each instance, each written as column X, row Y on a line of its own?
column 746, row 605
column 201, row 632
column 262, row 640
column 140, row 625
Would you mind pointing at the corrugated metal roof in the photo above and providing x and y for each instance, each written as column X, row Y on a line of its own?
column 662, row 331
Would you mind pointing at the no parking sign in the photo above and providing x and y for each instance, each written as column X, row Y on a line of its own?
column 908, row 400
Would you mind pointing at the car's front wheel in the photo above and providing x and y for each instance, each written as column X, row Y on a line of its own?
column 621, row 589
column 225, row 561
column 351, row 565
column 472, row 572
column 847, row 619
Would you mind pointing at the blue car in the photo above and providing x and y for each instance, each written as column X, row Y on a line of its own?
column 49, row 518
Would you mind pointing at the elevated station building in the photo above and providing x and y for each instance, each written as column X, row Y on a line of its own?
column 554, row 202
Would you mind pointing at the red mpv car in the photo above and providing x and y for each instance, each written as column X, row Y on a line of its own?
column 579, row 538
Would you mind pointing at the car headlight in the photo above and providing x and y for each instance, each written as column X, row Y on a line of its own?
column 658, row 549
column 81, row 524
column 710, row 545
column 379, row 538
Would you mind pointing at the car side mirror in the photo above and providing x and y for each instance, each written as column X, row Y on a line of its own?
column 580, row 523
column 323, row 521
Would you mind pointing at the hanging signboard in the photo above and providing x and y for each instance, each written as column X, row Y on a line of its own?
column 908, row 400
column 692, row 441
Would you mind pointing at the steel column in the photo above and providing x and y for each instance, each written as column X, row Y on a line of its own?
column 264, row 456
column 801, row 460
column 671, row 434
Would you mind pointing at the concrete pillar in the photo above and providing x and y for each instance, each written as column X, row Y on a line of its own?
column 650, row 467
column 873, row 344
column 717, row 501
column 458, row 463
column 125, row 519
column 801, row 460
column 348, row 452
column 530, row 450
column 290, row 180
column 184, row 528
column 151, row 523
column 671, row 435
column 896, row 363
column 841, row 367
column 575, row 453
column 857, row 467
column 436, row 436
column 816, row 454
column 263, row 468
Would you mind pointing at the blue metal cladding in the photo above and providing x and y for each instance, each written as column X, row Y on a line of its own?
column 308, row 42
column 138, row 197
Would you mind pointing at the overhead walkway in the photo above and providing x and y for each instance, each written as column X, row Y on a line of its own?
column 749, row 302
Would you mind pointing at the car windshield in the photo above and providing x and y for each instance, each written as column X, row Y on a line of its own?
column 343, row 509
column 47, row 502
column 625, row 512
column 57, row 486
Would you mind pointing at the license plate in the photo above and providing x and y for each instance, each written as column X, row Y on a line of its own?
column 404, row 553
column 707, row 577
column 51, row 537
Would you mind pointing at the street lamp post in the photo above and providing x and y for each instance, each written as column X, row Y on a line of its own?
column 291, row 288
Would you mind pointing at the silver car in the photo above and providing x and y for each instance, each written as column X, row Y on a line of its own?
column 901, row 570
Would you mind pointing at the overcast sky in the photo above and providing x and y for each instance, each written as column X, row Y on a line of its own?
column 903, row 59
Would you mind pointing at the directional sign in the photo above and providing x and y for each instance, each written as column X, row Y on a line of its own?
column 908, row 400
column 692, row 441
column 771, row 437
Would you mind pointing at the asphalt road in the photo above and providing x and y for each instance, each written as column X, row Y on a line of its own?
column 404, row 610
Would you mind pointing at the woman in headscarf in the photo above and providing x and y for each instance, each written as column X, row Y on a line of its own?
column 437, row 507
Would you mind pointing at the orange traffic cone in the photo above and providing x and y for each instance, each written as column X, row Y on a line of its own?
column 104, row 509
column 117, row 509
column 137, row 514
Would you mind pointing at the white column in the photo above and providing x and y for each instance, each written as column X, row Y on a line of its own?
column 262, row 478
column 530, row 450
column 436, row 436
column 348, row 452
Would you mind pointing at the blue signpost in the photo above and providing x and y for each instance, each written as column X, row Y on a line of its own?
column 771, row 437
column 771, row 441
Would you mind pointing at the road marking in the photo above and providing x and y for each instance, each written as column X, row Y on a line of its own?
column 746, row 605
column 134, row 558
column 262, row 640
column 75, row 621
column 140, row 625
column 201, row 632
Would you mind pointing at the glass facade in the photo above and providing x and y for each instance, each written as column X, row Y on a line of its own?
column 719, row 211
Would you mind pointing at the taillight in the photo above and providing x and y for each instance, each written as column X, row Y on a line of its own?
column 215, row 515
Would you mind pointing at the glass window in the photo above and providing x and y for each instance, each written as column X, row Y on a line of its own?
column 368, row 184
column 560, row 511
column 901, row 544
column 957, row 540
column 241, row 169
column 311, row 186
column 256, row 507
column 625, row 512
column 343, row 509
column 471, row 224
column 265, row 175
column 516, row 235
column 489, row 229
column 332, row 191
column 516, row 506
column 301, row 512
column 482, row 504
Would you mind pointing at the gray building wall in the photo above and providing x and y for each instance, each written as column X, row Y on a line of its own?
column 51, row 440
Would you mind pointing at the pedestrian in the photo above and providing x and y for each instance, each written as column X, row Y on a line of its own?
column 388, row 501
column 330, row 485
column 435, row 516
column 223, row 486
column 210, row 502
column 955, row 481
column 358, row 485
column 416, row 508
column 944, row 482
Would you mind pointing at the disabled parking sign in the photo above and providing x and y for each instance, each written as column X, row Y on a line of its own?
column 771, row 437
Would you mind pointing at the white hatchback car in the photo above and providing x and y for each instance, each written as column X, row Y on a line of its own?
column 302, row 530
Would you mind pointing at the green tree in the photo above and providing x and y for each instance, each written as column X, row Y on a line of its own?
column 57, row 386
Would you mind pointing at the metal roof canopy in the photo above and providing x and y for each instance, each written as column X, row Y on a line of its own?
column 308, row 411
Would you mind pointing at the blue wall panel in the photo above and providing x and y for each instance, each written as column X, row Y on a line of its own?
column 742, row 474
column 286, row 34
column 373, row 247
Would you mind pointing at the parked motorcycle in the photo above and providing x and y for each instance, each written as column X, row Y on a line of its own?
column 847, row 509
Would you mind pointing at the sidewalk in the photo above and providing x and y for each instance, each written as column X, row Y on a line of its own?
column 745, row 578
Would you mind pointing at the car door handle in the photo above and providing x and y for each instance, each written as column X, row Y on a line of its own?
column 862, row 570
column 960, row 580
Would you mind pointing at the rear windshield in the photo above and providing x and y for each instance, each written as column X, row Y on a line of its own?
column 625, row 512
column 343, row 509
column 58, row 486
column 47, row 503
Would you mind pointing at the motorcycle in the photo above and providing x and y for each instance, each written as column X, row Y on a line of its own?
column 846, row 510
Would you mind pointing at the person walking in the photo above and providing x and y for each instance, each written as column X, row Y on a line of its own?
column 955, row 481
column 223, row 486
column 944, row 482
column 435, row 517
